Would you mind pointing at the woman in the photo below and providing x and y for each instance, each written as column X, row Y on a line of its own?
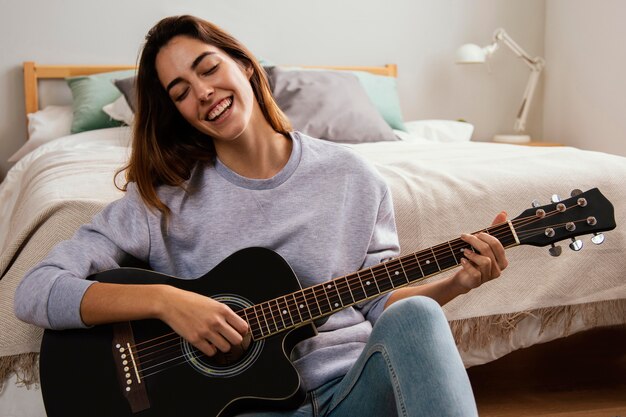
column 215, row 167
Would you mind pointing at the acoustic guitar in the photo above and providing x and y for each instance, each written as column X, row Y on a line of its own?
column 143, row 368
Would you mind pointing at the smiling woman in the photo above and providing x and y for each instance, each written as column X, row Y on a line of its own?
column 218, row 181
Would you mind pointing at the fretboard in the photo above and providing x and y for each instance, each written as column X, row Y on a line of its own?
column 312, row 303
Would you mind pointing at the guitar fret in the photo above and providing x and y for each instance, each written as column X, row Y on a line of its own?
column 358, row 289
column 249, row 321
column 312, row 304
column 445, row 258
column 370, row 290
column 345, row 297
column 415, row 255
column 258, row 319
column 267, row 326
column 427, row 263
column 285, row 313
column 293, row 295
column 456, row 261
column 302, row 304
column 326, row 306
column 398, row 277
column 435, row 258
column 280, row 316
column 335, row 300
column 271, row 313
column 383, row 280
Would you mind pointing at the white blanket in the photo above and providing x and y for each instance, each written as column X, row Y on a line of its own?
column 439, row 189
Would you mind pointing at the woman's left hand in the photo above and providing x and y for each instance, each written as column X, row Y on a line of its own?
column 483, row 265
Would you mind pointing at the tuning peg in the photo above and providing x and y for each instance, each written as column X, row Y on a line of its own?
column 575, row 192
column 555, row 250
column 576, row 245
column 597, row 238
column 535, row 203
column 555, row 198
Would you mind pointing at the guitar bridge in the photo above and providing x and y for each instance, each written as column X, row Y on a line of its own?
column 128, row 368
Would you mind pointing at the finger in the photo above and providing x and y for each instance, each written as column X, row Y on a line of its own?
column 496, row 249
column 484, row 264
column 471, row 271
column 205, row 347
column 219, row 341
column 500, row 218
column 239, row 324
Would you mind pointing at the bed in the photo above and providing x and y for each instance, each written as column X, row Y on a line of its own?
column 442, row 184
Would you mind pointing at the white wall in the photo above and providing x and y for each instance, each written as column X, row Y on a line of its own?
column 421, row 36
column 585, row 95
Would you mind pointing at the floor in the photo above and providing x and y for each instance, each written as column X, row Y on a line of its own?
column 583, row 375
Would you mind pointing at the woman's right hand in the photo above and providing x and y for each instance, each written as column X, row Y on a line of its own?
column 205, row 323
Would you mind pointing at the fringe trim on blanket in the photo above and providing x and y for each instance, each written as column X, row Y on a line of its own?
column 479, row 332
column 25, row 366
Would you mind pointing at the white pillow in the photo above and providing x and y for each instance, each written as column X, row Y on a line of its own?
column 120, row 110
column 440, row 130
column 43, row 126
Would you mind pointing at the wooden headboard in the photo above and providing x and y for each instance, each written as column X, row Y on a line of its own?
column 34, row 72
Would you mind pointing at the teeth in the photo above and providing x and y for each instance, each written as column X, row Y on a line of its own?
column 219, row 109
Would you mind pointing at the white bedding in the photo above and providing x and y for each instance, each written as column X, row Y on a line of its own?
column 440, row 190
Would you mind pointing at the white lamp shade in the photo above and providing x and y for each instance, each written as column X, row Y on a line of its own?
column 470, row 54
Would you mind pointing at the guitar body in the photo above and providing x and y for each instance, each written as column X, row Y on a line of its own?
column 79, row 376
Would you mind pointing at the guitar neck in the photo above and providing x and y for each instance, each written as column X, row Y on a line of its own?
column 312, row 303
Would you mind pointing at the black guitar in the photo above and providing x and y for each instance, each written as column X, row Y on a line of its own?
column 142, row 368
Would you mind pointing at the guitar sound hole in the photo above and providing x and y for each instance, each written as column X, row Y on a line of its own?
column 234, row 362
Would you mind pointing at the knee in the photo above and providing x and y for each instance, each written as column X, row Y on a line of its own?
column 408, row 312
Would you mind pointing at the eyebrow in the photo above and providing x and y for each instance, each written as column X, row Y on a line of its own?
column 194, row 65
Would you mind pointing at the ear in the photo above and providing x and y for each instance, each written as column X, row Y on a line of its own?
column 248, row 69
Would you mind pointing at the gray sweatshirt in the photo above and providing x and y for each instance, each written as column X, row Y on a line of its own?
column 327, row 212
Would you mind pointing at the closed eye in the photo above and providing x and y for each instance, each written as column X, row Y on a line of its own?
column 211, row 70
column 182, row 96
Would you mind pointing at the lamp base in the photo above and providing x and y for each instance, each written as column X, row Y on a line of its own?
column 511, row 138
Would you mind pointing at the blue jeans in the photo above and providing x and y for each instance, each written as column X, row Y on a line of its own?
column 409, row 367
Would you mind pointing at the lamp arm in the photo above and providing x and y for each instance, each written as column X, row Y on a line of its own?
column 500, row 35
column 522, row 113
column 536, row 66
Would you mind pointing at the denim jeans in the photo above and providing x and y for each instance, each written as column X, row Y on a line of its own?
column 409, row 367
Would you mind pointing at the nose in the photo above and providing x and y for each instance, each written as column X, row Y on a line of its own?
column 204, row 93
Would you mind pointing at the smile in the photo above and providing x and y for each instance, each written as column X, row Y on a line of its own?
column 219, row 109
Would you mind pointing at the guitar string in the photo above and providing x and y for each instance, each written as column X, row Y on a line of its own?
column 379, row 267
column 302, row 296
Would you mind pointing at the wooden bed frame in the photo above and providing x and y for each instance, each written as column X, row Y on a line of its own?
column 34, row 72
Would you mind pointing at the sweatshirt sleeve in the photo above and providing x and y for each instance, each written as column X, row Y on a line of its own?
column 383, row 245
column 50, row 294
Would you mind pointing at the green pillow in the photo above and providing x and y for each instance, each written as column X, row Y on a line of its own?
column 383, row 91
column 91, row 93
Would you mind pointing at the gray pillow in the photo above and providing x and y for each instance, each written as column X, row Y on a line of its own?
column 127, row 88
column 329, row 105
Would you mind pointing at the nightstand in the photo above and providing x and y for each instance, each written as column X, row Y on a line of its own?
column 532, row 143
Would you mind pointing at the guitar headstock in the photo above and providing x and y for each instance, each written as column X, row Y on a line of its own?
column 583, row 213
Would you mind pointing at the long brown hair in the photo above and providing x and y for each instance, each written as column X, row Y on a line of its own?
column 165, row 146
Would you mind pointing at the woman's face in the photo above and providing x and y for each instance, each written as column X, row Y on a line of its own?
column 211, row 90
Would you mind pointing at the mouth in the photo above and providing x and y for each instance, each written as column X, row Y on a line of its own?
column 219, row 109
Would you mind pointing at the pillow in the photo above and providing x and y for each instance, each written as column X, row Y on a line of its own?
column 43, row 126
column 382, row 91
column 120, row 110
column 331, row 105
column 127, row 88
column 441, row 130
column 90, row 94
